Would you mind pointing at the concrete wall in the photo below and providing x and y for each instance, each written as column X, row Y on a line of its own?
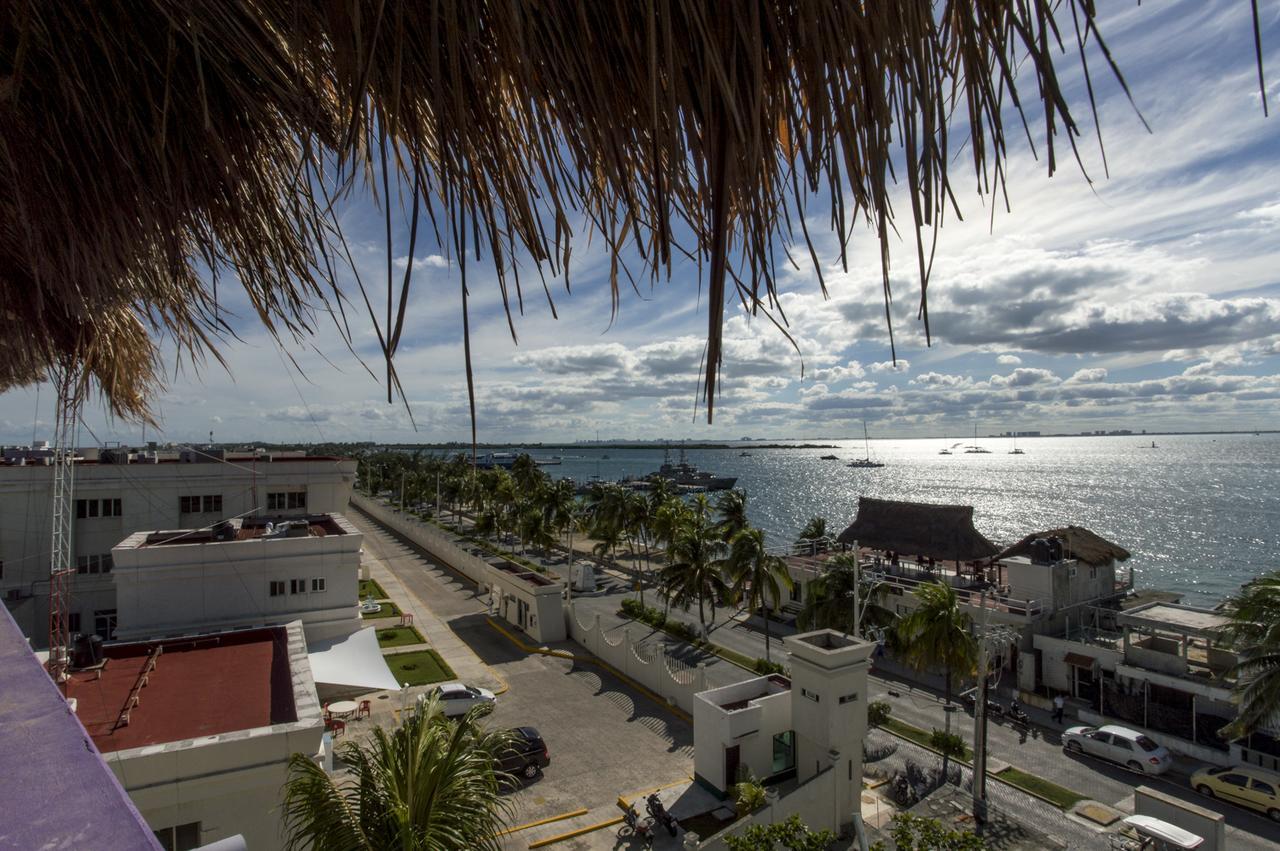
column 665, row 676
column 149, row 497
column 1184, row 750
column 814, row 801
column 542, row 596
column 750, row 728
column 1211, row 826
column 176, row 589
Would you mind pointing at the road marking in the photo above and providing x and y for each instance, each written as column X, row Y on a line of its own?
column 550, row 840
column 547, row 820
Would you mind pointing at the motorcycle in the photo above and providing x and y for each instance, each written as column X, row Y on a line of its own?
column 970, row 700
column 1017, row 715
column 659, row 814
column 633, row 825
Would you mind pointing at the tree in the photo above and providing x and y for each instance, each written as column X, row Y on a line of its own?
column 937, row 635
column 1254, row 632
column 830, row 600
column 913, row 833
column 732, row 508
column 638, row 511
column 693, row 571
column 792, row 834
column 814, row 531
column 756, row 576
column 432, row 783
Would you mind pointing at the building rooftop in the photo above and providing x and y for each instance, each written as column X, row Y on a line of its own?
column 1175, row 618
column 51, row 767
column 943, row 532
column 248, row 529
column 200, row 686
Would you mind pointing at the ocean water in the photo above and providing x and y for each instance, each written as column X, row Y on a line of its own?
column 1200, row 513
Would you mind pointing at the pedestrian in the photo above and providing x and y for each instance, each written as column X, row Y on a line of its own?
column 1059, row 705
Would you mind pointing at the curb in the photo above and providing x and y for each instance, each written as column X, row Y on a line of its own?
column 565, row 654
column 571, row 814
column 579, row 831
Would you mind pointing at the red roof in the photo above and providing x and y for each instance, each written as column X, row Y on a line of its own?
column 200, row 686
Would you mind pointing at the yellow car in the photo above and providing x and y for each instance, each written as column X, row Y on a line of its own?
column 1242, row 784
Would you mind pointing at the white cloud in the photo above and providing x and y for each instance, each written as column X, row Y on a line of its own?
column 1009, row 360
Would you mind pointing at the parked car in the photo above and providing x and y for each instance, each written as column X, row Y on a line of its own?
column 457, row 698
column 527, row 755
column 1120, row 745
column 1242, row 784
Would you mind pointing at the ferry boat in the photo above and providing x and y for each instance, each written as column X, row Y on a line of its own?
column 686, row 475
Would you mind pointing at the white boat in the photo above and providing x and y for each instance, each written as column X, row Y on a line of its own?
column 1015, row 450
column 867, row 462
column 976, row 449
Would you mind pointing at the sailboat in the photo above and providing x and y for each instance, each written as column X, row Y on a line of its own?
column 975, row 449
column 1015, row 450
column 866, row 462
column 945, row 450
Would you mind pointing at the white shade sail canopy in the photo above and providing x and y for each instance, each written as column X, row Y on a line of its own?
column 354, row 660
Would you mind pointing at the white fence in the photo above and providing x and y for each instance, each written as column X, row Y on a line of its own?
column 673, row 680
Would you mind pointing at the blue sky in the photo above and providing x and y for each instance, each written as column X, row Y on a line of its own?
column 1150, row 299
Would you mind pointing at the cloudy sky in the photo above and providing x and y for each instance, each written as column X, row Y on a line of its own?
column 1149, row 299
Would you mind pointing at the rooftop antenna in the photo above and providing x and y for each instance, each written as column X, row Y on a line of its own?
column 68, row 379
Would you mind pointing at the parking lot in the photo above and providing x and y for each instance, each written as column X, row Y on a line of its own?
column 604, row 737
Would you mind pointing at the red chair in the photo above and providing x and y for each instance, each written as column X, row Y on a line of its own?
column 328, row 716
column 336, row 727
column 366, row 708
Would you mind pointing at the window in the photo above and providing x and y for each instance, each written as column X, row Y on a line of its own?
column 1235, row 780
column 94, row 564
column 784, row 751
column 1147, row 744
column 812, row 695
column 276, row 588
column 297, row 586
column 206, row 504
column 317, row 584
column 287, row 501
column 1122, row 743
column 104, row 623
column 98, row 508
column 1264, row 788
column 848, row 698
column 1093, row 572
column 184, row 837
column 73, row 622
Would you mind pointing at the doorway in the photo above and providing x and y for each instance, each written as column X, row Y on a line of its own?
column 732, row 756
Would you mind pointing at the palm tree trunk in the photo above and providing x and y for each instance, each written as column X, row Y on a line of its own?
column 702, row 618
column 765, row 611
column 946, row 691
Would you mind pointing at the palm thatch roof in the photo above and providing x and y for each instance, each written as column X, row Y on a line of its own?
column 1077, row 542
column 154, row 151
column 943, row 532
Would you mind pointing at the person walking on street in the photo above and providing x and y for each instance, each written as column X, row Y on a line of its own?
column 1059, row 706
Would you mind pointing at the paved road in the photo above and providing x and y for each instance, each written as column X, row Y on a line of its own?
column 604, row 738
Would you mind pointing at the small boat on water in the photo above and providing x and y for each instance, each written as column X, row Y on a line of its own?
column 829, row 457
column 1015, row 450
column 1152, row 446
column 744, row 454
column 865, row 463
column 976, row 448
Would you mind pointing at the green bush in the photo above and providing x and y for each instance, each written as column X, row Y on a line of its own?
column 764, row 667
column 878, row 712
column 950, row 744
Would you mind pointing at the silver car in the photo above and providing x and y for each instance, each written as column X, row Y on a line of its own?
column 456, row 699
column 1120, row 745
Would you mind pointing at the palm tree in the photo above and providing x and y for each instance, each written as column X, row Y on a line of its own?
column 693, row 567
column 432, row 783
column 815, row 530
column 756, row 575
column 732, row 508
column 831, row 598
column 638, row 511
column 1254, row 632
column 937, row 635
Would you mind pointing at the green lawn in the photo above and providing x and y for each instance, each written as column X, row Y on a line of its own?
column 368, row 586
column 1059, row 795
column 915, row 734
column 388, row 610
column 399, row 636
column 419, row 668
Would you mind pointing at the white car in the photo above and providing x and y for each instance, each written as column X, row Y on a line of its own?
column 1120, row 745
column 456, row 698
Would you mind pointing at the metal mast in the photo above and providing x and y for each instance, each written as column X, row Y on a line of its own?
column 61, row 567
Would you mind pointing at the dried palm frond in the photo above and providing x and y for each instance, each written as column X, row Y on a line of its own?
column 151, row 150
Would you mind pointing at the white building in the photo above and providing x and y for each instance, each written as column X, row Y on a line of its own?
column 118, row 492
column 244, row 573
column 199, row 730
column 802, row 735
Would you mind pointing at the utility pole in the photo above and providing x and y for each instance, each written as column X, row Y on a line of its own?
column 437, row 495
column 980, row 726
column 857, row 590
column 402, row 490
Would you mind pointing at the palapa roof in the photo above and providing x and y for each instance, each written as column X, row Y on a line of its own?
column 943, row 532
column 1077, row 542
column 150, row 151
